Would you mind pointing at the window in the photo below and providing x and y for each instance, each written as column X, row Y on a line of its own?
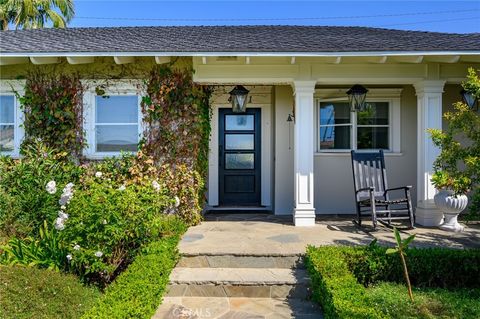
column 112, row 123
column 116, row 124
column 7, row 123
column 341, row 129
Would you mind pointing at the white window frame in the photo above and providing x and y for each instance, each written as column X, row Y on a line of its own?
column 391, row 96
column 114, row 88
column 18, row 131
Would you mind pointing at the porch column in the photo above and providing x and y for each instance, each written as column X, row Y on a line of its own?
column 429, row 115
column 304, row 212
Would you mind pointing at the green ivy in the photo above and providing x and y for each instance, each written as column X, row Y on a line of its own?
column 177, row 114
column 53, row 109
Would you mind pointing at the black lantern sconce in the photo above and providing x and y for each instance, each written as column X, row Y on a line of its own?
column 238, row 98
column 356, row 96
column 470, row 99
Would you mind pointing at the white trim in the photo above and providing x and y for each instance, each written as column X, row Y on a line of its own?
column 389, row 95
column 18, row 131
column 242, row 53
column 117, row 88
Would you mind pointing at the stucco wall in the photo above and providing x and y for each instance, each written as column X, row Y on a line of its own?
column 102, row 68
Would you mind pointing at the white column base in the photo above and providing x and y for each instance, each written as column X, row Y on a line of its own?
column 429, row 217
column 304, row 217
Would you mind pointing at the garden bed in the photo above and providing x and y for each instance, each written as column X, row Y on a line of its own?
column 365, row 282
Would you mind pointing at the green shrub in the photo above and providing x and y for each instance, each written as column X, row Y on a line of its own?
column 138, row 291
column 107, row 223
column 431, row 267
column 335, row 287
column 25, row 201
column 38, row 293
column 340, row 275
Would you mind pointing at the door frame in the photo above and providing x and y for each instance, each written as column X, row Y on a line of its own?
column 267, row 161
column 257, row 150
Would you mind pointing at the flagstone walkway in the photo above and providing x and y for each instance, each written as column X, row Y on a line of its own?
column 250, row 265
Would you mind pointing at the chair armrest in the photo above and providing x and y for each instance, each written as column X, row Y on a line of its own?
column 370, row 189
column 398, row 188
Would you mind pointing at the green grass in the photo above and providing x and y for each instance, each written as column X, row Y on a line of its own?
column 27, row 292
column 392, row 300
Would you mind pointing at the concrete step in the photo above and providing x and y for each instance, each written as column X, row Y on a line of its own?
column 242, row 261
column 239, row 282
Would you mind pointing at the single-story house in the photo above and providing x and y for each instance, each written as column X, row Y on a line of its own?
column 289, row 152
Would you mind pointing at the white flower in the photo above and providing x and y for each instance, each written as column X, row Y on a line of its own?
column 51, row 187
column 104, row 222
column 177, row 201
column 156, row 186
column 98, row 174
column 69, row 257
column 69, row 186
column 59, row 224
column 76, row 247
column 63, row 207
column 122, row 188
column 98, row 254
column 65, row 198
column 62, row 215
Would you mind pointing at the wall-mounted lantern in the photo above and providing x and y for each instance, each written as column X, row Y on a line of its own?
column 238, row 98
column 356, row 96
column 470, row 99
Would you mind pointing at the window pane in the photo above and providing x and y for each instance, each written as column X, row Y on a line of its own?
column 6, row 138
column 116, row 138
column 334, row 113
column 239, row 122
column 117, row 109
column 7, row 104
column 376, row 113
column 239, row 161
column 335, row 137
column 239, row 142
column 372, row 138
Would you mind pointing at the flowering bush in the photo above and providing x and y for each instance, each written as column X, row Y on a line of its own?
column 28, row 195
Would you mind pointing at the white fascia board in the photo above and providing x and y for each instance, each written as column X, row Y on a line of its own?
column 264, row 54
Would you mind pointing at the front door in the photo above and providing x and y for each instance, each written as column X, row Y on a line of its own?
column 239, row 161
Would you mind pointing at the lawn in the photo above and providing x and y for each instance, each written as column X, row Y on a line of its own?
column 392, row 300
column 28, row 292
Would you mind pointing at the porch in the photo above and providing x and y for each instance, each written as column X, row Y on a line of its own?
column 241, row 234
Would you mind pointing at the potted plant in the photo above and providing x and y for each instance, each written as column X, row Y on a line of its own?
column 457, row 168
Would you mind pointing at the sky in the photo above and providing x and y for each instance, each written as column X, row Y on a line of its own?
column 440, row 16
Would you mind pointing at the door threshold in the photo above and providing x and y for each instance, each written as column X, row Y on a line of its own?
column 238, row 210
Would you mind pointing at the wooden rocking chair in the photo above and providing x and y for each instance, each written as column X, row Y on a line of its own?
column 372, row 196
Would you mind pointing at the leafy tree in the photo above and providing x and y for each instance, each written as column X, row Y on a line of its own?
column 457, row 168
column 35, row 14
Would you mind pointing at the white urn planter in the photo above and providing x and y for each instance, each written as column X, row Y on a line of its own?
column 451, row 206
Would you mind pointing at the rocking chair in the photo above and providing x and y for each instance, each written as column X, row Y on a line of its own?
column 372, row 196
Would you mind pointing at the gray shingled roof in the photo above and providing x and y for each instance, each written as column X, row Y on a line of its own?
column 232, row 39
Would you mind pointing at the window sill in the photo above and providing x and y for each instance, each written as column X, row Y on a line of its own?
column 347, row 153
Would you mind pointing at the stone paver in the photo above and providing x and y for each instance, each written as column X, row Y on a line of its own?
column 232, row 308
column 270, row 235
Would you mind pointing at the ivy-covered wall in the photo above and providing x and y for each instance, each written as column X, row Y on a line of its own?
column 176, row 117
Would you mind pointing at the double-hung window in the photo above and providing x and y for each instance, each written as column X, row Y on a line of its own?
column 11, row 132
column 113, row 123
column 376, row 128
column 7, row 123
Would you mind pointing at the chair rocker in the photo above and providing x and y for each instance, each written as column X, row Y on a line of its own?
column 372, row 196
